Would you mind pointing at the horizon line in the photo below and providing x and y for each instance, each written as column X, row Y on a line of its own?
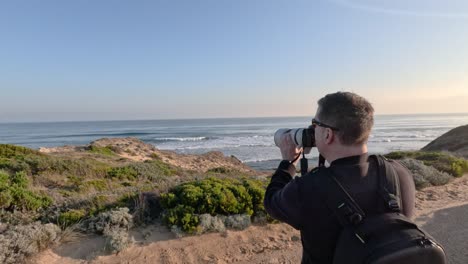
column 207, row 118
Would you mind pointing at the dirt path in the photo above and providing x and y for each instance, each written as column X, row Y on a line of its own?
column 443, row 212
column 449, row 226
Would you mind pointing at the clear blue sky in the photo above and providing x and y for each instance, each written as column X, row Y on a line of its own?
column 94, row 60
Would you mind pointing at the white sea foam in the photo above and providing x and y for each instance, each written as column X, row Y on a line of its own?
column 250, row 140
column 218, row 143
column 183, row 139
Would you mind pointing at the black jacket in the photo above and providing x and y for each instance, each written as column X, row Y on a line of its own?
column 300, row 201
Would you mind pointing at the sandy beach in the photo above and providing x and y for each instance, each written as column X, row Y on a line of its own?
column 442, row 211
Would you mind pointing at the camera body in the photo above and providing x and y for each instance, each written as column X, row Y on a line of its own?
column 302, row 137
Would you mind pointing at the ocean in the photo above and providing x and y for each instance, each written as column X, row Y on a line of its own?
column 249, row 139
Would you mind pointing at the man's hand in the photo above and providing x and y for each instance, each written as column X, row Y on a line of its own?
column 289, row 150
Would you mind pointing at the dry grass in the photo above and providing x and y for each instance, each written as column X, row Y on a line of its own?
column 71, row 234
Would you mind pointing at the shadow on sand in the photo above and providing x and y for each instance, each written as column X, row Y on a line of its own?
column 92, row 246
column 450, row 227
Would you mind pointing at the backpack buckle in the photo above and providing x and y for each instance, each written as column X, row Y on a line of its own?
column 393, row 205
column 355, row 218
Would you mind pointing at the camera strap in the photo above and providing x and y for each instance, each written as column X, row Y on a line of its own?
column 321, row 162
column 304, row 164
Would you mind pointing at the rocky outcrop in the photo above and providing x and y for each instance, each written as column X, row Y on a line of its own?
column 133, row 149
column 454, row 141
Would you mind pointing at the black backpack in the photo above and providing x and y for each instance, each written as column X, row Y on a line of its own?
column 384, row 238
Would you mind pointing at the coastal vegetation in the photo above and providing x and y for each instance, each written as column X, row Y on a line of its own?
column 100, row 189
column 442, row 161
column 93, row 190
column 431, row 168
column 185, row 203
column 15, row 194
column 109, row 151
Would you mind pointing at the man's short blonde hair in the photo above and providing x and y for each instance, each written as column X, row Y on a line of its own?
column 352, row 114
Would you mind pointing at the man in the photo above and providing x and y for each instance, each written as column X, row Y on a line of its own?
column 342, row 124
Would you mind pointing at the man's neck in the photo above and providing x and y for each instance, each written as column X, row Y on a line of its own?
column 346, row 151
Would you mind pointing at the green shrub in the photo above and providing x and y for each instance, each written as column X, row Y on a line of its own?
column 152, row 169
column 98, row 185
column 10, row 151
column 225, row 171
column 81, row 184
column 442, row 161
column 107, row 150
column 14, row 164
column 14, row 193
column 27, row 200
column 71, row 217
column 127, row 183
column 85, row 167
column 184, row 217
column 221, row 170
column 4, row 180
column 66, row 193
column 126, row 199
column 184, row 203
column 256, row 190
column 459, row 167
column 15, row 158
column 99, row 203
column 74, row 182
column 36, row 164
column 6, row 198
column 148, row 170
column 123, row 173
column 19, row 179
column 398, row 155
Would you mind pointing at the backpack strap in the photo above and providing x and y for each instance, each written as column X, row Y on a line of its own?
column 345, row 208
column 340, row 201
column 389, row 184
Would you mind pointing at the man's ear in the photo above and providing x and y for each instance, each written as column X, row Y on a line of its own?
column 330, row 136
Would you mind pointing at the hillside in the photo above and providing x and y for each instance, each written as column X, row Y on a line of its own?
column 105, row 188
column 133, row 149
column 454, row 141
column 123, row 196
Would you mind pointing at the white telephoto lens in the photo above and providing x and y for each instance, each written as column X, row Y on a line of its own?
column 279, row 135
column 296, row 135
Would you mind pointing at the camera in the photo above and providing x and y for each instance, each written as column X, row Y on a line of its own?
column 302, row 137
